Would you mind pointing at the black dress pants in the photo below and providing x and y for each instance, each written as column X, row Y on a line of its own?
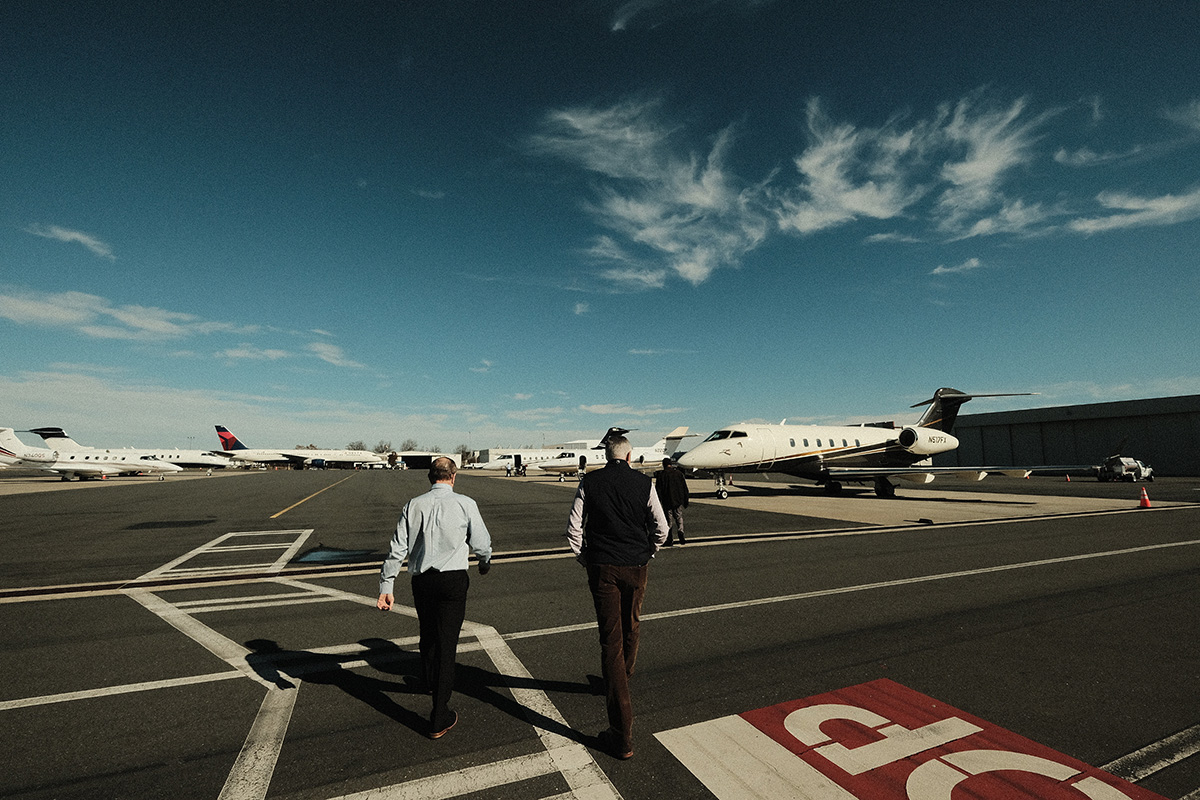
column 441, row 601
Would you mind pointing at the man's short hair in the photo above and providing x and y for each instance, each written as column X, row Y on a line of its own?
column 666, row 462
column 442, row 469
column 617, row 448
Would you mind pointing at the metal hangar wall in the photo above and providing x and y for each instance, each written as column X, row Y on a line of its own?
column 1162, row 432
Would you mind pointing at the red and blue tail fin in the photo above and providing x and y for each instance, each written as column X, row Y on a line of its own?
column 228, row 440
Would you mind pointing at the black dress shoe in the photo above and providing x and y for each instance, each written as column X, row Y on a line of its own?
column 445, row 730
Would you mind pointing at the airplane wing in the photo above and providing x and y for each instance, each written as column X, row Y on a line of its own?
column 909, row 473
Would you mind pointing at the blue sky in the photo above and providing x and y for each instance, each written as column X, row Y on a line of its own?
column 503, row 224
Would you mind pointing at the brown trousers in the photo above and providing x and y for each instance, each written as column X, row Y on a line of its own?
column 617, row 593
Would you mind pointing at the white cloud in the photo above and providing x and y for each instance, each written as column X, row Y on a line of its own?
column 615, row 410
column 248, row 352
column 995, row 141
column 847, row 173
column 1139, row 212
column 969, row 265
column 331, row 354
column 686, row 211
column 1187, row 114
column 60, row 234
column 581, row 308
column 484, row 366
column 1086, row 157
column 99, row 318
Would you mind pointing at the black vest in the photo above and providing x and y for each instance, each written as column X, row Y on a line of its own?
column 616, row 516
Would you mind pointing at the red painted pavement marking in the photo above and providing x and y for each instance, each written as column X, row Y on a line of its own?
column 882, row 741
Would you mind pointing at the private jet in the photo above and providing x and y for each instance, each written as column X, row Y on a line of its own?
column 70, row 459
column 643, row 458
column 832, row 455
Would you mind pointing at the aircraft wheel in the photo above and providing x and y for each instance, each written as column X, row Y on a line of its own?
column 722, row 494
column 833, row 487
column 562, row 479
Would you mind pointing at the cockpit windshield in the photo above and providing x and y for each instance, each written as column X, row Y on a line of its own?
column 719, row 435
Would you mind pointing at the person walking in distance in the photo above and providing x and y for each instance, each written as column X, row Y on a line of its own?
column 435, row 531
column 615, row 527
column 672, row 489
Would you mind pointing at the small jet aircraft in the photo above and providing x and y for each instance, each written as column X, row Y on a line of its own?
column 642, row 458
column 15, row 453
column 830, row 455
column 73, row 459
column 299, row 458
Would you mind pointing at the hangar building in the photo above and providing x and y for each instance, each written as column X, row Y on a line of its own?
column 1163, row 432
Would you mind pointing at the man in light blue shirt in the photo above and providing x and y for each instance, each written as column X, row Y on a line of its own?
column 437, row 531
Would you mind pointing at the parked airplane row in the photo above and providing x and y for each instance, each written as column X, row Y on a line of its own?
column 827, row 455
column 69, row 459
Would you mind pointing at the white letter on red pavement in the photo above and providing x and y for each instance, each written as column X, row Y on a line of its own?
column 935, row 780
column 899, row 742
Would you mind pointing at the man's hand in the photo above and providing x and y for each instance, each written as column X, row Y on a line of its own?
column 485, row 566
column 384, row 603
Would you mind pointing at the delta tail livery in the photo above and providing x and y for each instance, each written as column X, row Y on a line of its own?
column 299, row 458
column 830, row 455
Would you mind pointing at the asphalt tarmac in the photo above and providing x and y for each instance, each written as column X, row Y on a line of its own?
column 216, row 637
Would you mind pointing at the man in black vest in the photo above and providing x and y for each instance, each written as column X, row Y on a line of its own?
column 616, row 525
column 672, row 489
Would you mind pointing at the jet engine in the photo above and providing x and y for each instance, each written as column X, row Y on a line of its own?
column 926, row 441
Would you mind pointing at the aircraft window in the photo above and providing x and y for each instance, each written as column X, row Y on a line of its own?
column 806, row 442
column 718, row 435
column 738, row 435
column 818, row 442
column 791, row 442
column 857, row 443
column 844, row 443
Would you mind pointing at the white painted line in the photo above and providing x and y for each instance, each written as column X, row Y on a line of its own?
column 255, row 765
column 736, row 761
column 109, row 691
column 238, row 605
column 1157, row 756
column 864, row 587
column 464, row 781
column 222, row 647
column 294, row 539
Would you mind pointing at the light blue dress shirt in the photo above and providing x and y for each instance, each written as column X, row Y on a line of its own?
column 436, row 530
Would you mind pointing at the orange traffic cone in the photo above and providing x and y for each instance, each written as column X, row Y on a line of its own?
column 1145, row 503
column 1068, row 477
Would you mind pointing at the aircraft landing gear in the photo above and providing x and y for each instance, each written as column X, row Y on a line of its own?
column 722, row 481
column 833, row 488
column 884, row 488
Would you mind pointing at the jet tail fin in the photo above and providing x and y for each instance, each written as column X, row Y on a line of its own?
column 944, row 406
column 228, row 440
column 56, row 438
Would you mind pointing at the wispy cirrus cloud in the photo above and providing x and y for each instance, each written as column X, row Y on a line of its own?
column 61, row 234
column 669, row 210
column 1131, row 211
column 677, row 212
column 970, row 265
column 331, row 354
column 653, row 13
column 100, row 318
column 618, row 410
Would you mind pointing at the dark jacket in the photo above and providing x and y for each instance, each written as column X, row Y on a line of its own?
column 672, row 488
column 616, row 516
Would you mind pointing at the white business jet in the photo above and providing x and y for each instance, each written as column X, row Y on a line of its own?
column 642, row 458
column 69, row 458
column 831, row 455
